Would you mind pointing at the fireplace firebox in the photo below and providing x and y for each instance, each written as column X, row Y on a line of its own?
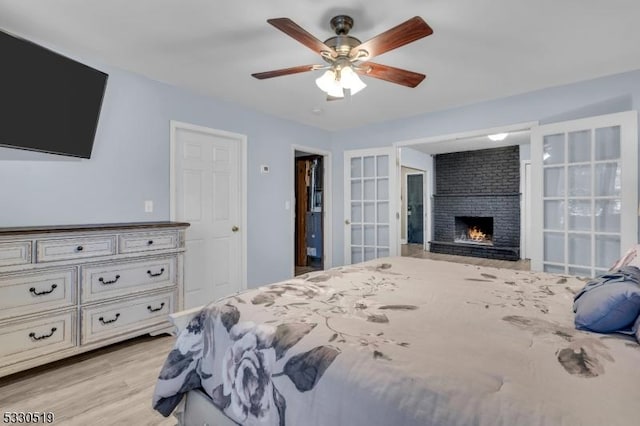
column 473, row 230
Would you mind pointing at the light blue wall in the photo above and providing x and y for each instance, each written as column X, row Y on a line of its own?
column 130, row 164
column 130, row 161
column 413, row 158
column 594, row 97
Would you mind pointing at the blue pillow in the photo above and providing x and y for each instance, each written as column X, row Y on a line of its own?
column 609, row 303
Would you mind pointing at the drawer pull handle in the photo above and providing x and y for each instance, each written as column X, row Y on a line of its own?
column 44, row 336
column 79, row 248
column 113, row 281
column 104, row 321
column 40, row 293
column 151, row 274
column 149, row 242
column 155, row 309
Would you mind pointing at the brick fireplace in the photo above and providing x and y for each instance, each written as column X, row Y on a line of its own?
column 476, row 206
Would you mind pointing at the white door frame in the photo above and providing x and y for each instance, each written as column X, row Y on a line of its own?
column 327, row 210
column 452, row 137
column 525, row 208
column 428, row 194
column 423, row 173
column 242, row 160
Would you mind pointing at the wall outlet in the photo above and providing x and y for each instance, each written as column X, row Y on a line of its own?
column 264, row 169
column 148, row 206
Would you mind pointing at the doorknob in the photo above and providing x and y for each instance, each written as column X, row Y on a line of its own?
column 347, row 222
column 234, row 228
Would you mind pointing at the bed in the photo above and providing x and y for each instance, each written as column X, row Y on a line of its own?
column 400, row 341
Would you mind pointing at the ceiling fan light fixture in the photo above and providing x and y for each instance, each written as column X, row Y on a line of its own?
column 336, row 91
column 351, row 81
column 327, row 81
column 334, row 83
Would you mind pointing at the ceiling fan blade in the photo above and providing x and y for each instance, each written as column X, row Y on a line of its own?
column 405, row 33
column 284, row 71
column 392, row 74
column 294, row 30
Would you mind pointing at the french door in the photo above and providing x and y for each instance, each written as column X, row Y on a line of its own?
column 585, row 193
column 370, row 211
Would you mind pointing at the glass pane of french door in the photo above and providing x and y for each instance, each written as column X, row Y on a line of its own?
column 368, row 192
column 582, row 199
column 587, row 216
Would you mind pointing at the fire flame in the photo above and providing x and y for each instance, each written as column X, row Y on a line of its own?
column 476, row 234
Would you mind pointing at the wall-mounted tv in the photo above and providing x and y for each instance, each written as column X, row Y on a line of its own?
column 48, row 102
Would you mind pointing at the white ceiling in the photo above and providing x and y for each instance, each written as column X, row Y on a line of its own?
column 480, row 49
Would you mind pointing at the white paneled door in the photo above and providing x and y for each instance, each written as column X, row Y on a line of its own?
column 207, row 192
column 371, row 219
column 585, row 186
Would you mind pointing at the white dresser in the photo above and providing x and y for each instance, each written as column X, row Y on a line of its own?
column 69, row 289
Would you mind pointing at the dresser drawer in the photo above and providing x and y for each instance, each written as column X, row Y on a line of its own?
column 29, row 339
column 104, row 321
column 15, row 253
column 148, row 241
column 75, row 248
column 100, row 281
column 30, row 292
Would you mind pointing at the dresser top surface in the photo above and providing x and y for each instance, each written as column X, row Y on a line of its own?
column 127, row 226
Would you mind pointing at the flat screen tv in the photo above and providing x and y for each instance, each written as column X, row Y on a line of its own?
column 48, row 102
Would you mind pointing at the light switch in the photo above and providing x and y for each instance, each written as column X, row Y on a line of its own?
column 287, row 205
column 148, row 206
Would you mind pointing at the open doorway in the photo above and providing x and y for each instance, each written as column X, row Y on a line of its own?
column 309, row 212
column 474, row 175
column 416, row 169
column 415, row 208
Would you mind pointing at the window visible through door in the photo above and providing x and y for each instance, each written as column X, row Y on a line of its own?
column 415, row 208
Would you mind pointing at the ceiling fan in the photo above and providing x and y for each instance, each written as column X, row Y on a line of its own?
column 348, row 57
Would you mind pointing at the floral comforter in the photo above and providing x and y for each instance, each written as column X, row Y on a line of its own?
column 403, row 341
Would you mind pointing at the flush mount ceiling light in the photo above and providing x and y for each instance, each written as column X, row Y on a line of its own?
column 498, row 137
column 347, row 56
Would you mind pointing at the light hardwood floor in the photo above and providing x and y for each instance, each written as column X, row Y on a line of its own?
column 109, row 386
column 114, row 385
column 417, row 250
